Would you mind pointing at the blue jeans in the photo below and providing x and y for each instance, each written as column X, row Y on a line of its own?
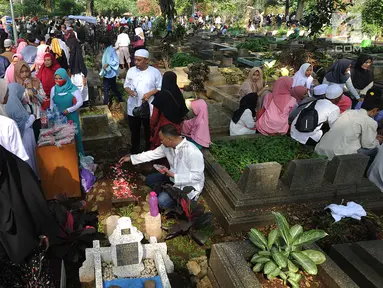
column 164, row 200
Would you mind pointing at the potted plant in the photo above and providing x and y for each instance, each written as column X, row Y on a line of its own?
column 282, row 254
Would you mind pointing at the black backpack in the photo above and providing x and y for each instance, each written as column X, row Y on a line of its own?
column 308, row 119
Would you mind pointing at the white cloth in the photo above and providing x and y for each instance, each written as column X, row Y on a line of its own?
column 144, row 82
column 300, row 78
column 244, row 125
column 352, row 210
column 77, row 80
column 353, row 130
column 327, row 112
column 10, row 138
column 186, row 162
column 122, row 40
column 75, row 94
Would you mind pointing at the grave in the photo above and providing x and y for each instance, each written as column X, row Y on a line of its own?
column 126, row 257
column 98, row 130
column 229, row 267
column 361, row 261
column 243, row 205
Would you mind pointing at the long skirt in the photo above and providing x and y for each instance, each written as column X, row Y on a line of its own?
column 77, row 80
column 30, row 147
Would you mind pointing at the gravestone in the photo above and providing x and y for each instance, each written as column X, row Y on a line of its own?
column 260, row 179
column 127, row 251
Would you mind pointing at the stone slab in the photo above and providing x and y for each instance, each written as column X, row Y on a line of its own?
column 371, row 252
column 305, row 173
column 346, row 169
column 358, row 270
column 94, row 125
column 260, row 179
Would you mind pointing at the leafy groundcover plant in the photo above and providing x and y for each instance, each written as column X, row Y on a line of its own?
column 281, row 254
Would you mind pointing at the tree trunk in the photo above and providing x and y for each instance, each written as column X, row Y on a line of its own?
column 89, row 7
column 48, row 5
column 301, row 3
column 287, row 7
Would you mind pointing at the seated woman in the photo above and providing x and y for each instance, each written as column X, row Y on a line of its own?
column 168, row 108
column 300, row 94
column 339, row 74
column 46, row 75
column 272, row 119
column 10, row 72
column 62, row 95
column 361, row 74
column 34, row 94
column 243, row 121
column 253, row 83
column 24, row 121
column 196, row 129
column 303, row 76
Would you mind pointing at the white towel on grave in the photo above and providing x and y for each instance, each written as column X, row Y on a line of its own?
column 352, row 210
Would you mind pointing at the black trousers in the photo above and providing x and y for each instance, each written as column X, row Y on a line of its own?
column 36, row 128
column 135, row 126
column 111, row 83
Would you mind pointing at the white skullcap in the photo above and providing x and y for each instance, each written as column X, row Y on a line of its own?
column 334, row 91
column 142, row 53
column 320, row 89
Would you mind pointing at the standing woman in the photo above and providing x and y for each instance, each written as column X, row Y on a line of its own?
column 138, row 43
column 168, row 108
column 62, row 95
column 10, row 73
column 34, row 94
column 59, row 53
column 303, row 76
column 77, row 67
column 24, row 121
column 46, row 75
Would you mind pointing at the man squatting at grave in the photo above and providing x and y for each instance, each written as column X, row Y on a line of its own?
column 186, row 165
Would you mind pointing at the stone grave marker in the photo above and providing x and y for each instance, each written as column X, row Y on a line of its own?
column 127, row 254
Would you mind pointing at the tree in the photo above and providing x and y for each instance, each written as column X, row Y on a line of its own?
column 167, row 8
column 373, row 12
column 148, row 7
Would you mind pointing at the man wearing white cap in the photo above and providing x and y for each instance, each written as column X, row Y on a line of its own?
column 8, row 50
column 141, row 83
column 327, row 112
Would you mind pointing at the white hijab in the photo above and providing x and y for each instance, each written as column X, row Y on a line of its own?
column 300, row 78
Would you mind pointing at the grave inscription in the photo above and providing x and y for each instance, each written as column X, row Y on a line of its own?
column 127, row 254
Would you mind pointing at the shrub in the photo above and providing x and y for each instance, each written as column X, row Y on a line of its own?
column 255, row 45
column 281, row 254
column 235, row 155
column 183, row 59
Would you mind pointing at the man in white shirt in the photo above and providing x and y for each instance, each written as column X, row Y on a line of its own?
column 141, row 83
column 122, row 47
column 186, row 165
column 328, row 113
column 355, row 131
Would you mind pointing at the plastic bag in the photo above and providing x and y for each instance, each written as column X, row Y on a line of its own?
column 64, row 141
column 87, row 179
column 46, row 143
column 46, row 132
column 87, row 162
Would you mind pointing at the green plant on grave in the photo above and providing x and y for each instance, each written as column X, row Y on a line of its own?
column 198, row 74
column 127, row 211
column 281, row 254
column 183, row 59
column 255, row 45
column 269, row 70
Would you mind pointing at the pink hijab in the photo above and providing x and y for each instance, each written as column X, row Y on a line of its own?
column 10, row 72
column 198, row 127
column 21, row 47
column 281, row 94
column 299, row 92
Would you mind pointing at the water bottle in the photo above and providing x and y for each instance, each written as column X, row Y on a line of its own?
column 44, row 119
column 153, row 204
column 135, row 92
column 50, row 117
column 56, row 115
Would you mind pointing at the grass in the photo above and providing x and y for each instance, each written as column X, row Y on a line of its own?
column 235, row 155
column 126, row 211
column 92, row 111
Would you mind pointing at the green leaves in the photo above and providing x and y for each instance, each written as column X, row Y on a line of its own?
column 316, row 256
column 273, row 235
column 296, row 231
column 306, row 263
column 279, row 259
column 309, row 237
column 283, row 227
column 257, row 238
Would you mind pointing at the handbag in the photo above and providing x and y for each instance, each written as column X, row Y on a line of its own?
column 138, row 43
column 142, row 111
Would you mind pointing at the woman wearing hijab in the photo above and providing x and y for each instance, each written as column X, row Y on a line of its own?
column 138, row 42
column 21, row 46
column 303, row 76
column 24, row 121
column 77, row 67
column 197, row 129
column 59, row 54
column 34, row 94
column 168, row 108
column 10, row 73
column 339, row 74
column 62, row 95
column 361, row 74
column 253, row 83
column 10, row 137
column 243, row 121
column 277, row 105
column 300, row 94
column 46, row 75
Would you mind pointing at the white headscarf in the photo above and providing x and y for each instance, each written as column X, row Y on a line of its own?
column 300, row 78
column 139, row 32
column 3, row 92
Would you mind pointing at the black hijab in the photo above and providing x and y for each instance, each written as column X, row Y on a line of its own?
column 170, row 100
column 361, row 77
column 24, row 214
column 247, row 102
column 336, row 72
column 76, row 61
